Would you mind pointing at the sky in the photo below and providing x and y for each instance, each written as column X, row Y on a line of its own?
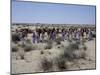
column 35, row 12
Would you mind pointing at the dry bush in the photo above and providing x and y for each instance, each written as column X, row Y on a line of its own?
column 46, row 65
column 84, row 40
column 73, row 52
column 79, row 54
column 58, row 41
column 14, row 48
column 15, row 37
column 41, row 52
column 68, row 51
column 84, row 47
column 78, row 42
column 28, row 46
column 61, row 63
column 49, row 45
column 73, row 46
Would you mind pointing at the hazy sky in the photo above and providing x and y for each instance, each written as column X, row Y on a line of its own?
column 32, row 12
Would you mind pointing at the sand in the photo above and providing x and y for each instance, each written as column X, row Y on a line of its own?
column 33, row 59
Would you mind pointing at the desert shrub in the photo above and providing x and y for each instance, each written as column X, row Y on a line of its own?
column 74, row 52
column 68, row 51
column 69, row 40
column 46, row 65
column 15, row 37
column 14, row 47
column 49, row 45
column 28, row 46
column 61, row 63
column 49, row 41
column 21, row 44
column 41, row 52
column 22, row 57
column 78, row 42
column 79, row 54
column 84, row 40
column 73, row 46
column 58, row 41
column 85, row 48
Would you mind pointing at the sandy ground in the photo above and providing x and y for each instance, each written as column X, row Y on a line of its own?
column 33, row 59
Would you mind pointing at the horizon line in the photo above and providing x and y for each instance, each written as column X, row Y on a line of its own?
column 50, row 23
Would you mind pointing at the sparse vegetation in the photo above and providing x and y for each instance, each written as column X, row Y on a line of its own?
column 14, row 47
column 79, row 54
column 46, row 65
column 22, row 57
column 58, row 41
column 68, row 51
column 84, row 47
column 15, row 37
column 48, row 55
column 41, row 52
column 28, row 46
column 61, row 63
column 49, row 45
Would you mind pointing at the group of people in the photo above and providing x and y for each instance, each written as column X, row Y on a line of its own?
column 44, row 34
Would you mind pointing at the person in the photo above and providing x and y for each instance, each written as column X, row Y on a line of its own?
column 45, row 37
column 63, row 35
column 37, row 37
column 34, row 37
column 53, row 35
column 42, row 37
column 78, row 35
column 90, row 35
column 67, row 35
